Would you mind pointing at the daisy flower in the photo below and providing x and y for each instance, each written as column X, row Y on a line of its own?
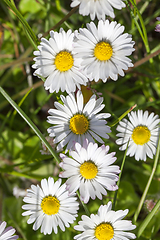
column 107, row 224
column 7, row 233
column 74, row 122
column 157, row 29
column 56, row 60
column 50, row 206
column 89, row 169
column 142, row 132
column 99, row 8
column 103, row 50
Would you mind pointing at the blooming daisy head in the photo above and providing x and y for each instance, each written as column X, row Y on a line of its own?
column 106, row 225
column 50, row 206
column 103, row 50
column 56, row 60
column 89, row 169
column 7, row 233
column 141, row 131
column 74, row 122
column 157, row 29
column 99, row 8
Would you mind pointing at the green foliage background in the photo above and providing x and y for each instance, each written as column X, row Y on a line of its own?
column 21, row 163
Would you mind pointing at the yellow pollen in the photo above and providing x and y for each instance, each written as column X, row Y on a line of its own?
column 104, row 231
column 141, row 135
column 103, row 51
column 63, row 61
column 88, row 170
column 50, row 205
column 79, row 124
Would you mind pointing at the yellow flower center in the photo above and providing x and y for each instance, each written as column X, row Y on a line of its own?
column 141, row 135
column 63, row 61
column 79, row 124
column 104, row 231
column 50, row 205
column 88, row 170
column 103, row 51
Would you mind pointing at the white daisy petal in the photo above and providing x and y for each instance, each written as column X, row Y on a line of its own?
column 142, row 130
column 103, row 50
column 7, row 233
column 98, row 8
column 93, row 173
column 47, row 211
column 74, row 121
column 57, row 61
column 107, row 222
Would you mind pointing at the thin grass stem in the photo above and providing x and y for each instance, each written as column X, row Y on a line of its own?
column 142, row 31
column 61, row 21
column 30, row 123
column 148, row 219
column 83, row 204
column 148, row 183
column 123, row 115
column 118, row 183
column 23, row 21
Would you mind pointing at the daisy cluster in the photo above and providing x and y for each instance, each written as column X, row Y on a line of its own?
column 68, row 61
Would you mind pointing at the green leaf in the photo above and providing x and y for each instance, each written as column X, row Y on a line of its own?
column 29, row 6
column 127, row 197
column 148, row 219
column 30, row 123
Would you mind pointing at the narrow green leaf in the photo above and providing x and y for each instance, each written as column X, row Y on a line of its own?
column 23, row 21
column 30, row 123
column 20, row 103
column 148, row 219
column 123, row 115
column 142, row 31
column 118, row 183
column 148, row 183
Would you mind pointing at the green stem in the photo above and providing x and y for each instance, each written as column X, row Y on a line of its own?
column 148, row 219
column 144, row 33
column 23, row 21
column 148, row 183
column 142, row 24
column 84, row 205
column 61, row 21
column 47, row 18
column 43, row 103
column 118, row 183
column 123, row 115
column 30, row 123
column 20, row 103
column 34, row 45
